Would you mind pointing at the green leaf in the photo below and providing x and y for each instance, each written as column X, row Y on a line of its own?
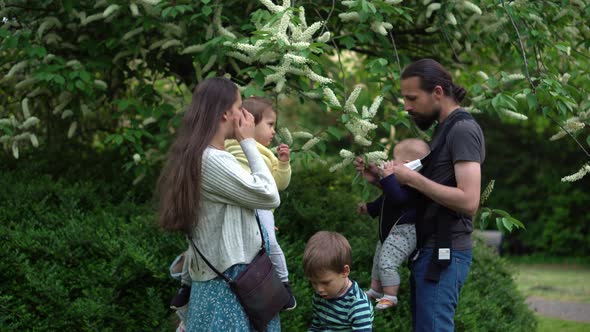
column 59, row 79
column 85, row 76
column 496, row 102
column 37, row 51
column 128, row 136
column 507, row 224
column 207, row 10
column 516, row 222
column 337, row 133
column 123, row 104
column 562, row 47
column 499, row 224
column 348, row 41
column 501, row 212
column 484, row 216
column 253, row 91
column 588, row 140
column 67, row 5
column 80, row 85
column 532, row 101
column 205, row 1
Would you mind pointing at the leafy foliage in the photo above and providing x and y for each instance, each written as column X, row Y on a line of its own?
column 526, row 168
column 80, row 254
column 114, row 73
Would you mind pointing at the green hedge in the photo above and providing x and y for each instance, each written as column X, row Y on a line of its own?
column 82, row 253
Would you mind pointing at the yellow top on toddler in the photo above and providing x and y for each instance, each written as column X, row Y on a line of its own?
column 281, row 170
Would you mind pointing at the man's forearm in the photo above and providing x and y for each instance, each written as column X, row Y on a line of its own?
column 453, row 198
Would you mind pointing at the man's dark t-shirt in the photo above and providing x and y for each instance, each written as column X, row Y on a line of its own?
column 465, row 142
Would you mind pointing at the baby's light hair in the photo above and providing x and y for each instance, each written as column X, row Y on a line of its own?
column 326, row 251
column 411, row 149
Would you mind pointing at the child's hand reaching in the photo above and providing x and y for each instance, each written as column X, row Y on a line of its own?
column 386, row 169
column 362, row 208
column 283, row 152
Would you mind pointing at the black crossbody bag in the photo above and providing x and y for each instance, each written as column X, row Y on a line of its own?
column 259, row 289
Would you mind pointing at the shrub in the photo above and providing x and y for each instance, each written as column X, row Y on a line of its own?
column 78, row 254
column 82, row 253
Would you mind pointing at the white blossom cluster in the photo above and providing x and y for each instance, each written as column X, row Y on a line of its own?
column 578, row 175
column 360, row 127
column 352, row 15
column 514, row 115
column 572, row 125
column 28, row 123
column 283, row 50
column 487, row 192
column 450, row 13
column 285, row 136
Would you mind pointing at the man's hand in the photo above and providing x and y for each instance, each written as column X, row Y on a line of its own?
column 463, row 198
column 371, row 173
column 283, row 152
column 362, row 208
column 403, row 174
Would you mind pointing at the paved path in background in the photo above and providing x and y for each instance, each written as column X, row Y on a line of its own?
column 578, row 312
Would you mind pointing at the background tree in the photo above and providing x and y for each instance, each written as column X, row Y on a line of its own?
column 115, row 74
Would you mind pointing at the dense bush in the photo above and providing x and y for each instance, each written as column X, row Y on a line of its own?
column 528, row 185
column 83, row 253
column 80, row 255
column 317, row 200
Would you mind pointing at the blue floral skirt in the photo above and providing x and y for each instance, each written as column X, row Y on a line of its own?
column 214, row 307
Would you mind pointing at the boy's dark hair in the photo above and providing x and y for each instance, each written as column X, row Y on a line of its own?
column 326, row 251
column 431, row 74
column 257, row 106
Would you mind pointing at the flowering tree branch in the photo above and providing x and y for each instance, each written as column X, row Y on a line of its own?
column 533, row 87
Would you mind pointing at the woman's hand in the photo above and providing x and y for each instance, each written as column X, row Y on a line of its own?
column 243, row 125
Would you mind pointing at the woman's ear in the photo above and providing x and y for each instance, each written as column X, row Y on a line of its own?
column 225, row 116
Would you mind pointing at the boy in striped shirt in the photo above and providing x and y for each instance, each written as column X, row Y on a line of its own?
column 339, row 304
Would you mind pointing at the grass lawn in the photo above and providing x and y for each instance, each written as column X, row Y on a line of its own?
column 548, row 324
column 559, row 282
column 564, row 281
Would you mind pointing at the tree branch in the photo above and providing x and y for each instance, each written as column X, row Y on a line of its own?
column 531, row 82
column 526, row 64
column 399, row 65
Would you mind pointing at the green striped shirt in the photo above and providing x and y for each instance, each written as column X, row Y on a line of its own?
column 351, row 312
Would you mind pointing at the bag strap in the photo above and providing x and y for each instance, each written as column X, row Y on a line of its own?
column 211, row 266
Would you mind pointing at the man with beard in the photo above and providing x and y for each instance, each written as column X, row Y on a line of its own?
column 448, row 192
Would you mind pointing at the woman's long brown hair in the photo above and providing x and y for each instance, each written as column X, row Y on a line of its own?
column 179, row 185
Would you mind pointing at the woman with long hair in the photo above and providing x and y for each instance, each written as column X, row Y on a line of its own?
column 205, row 193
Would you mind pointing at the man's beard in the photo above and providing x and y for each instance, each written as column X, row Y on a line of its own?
column 424, row 121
